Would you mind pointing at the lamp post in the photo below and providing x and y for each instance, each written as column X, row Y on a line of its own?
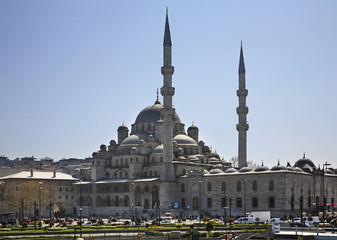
column 40, row 190
column 34, row 214
column 326, row 164
column 244, row 199
column 132, row 199
column 200, row 194
column 225, row 216
column 50, row 206
column 80, row 221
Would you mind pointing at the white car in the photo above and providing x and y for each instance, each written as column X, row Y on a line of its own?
column 274, row 221
column 244, row 220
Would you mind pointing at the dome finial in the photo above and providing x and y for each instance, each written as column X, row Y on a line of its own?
column 157, row 100
column 303, row 155
column 278, row 162
column 262, row 164
column 192, row 123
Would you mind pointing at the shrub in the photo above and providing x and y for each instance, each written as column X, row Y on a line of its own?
column 179, row 220
column 93, row 220
column 310, row 218
column 126, row 222
column 216, row 234
column 24, row 224
column 4, row 223
column 257, row 219
column 51, row 223
column 209, row 226
column 100, row 222
column 183, row 219
column 114, row 219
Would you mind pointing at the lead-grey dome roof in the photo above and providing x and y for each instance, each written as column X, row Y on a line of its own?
column 152, row 114
column 133, row 139
column 182, row 139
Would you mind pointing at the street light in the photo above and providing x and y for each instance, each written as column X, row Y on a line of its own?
column 132, row 199
column 40, row 207
column 81, row 221
column 244, row 198
column 200, row 189
column 326, row 164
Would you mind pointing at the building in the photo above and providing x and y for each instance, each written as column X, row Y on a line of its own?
column 159, row 166
column 43, row 191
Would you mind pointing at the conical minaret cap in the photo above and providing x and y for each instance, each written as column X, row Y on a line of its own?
column 167, row 35
column 242, row 62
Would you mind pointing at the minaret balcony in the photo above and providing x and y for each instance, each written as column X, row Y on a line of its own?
column 242, row 93
column 167, row 91
column 167, row 112
column 167, row 70
column 242, row 110
column 242, row 127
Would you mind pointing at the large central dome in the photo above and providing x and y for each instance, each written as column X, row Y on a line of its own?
column 152, row 114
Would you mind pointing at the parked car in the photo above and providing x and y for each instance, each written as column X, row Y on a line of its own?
column 244, row 220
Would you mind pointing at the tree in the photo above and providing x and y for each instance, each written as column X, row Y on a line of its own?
column 234, row 161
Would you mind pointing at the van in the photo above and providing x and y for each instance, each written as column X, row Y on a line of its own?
column 244, row 220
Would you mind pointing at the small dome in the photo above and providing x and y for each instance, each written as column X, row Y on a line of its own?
column 206, row 172
column 262, row 169
column 297, row 169
column 193, row 158
column 231, row 170
column 182, row 139
column 215, row 155
column 304, row 161
column 192, row 128
column 151, row 138
column 158, row 150
column 329, row 171
column 278, row 167
column 134, row 150
column 103, row 147
column 133, row 139
column 123, row 127
column 245, row 169
column 215, row 171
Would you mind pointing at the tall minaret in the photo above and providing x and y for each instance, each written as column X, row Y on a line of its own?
column 242, row 111
column 167, row 175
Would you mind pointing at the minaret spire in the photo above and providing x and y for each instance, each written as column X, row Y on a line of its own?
column 167, row 174
column 242, row 111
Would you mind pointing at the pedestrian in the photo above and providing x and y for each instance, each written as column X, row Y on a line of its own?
column 191, row 231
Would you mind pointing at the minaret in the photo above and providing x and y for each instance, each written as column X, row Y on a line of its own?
column 167, row 175
column 242, row 111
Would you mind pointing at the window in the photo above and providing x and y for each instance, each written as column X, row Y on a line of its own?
column 238, row 202
column 224, row 202
column 271, row 185
column 182, row 187
column 254, row 185
column 254, row 202
column 209, row 187
column 59, row 196
column 223, row 187
column 309, row 201
column 60, row 189
column 66, row 189
column 72, row 189
column 182, row 203
column 238, row 186
column 17, row 188
column 72, row 197
column 271, row 202
column 209, row 202
column 66, row 197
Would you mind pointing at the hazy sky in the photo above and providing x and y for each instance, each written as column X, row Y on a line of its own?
column 72, row 71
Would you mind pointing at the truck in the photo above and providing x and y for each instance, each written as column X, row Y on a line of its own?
column 263, row 216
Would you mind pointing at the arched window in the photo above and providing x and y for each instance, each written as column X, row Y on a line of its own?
column 271, row 185
column 209, row 186
column 238, row 186
column 223, row 187
column 182, row 187
column 254, row 185
column 117, row 201
column 120, row 174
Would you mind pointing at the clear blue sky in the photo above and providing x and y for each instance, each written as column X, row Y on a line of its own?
column 72, row 71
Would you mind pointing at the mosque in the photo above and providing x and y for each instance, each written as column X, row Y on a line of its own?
column 157, row 167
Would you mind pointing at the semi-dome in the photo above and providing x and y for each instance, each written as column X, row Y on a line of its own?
column 133, row 139
column 182, row 139
column 297, row 169
column 157, row 150
column 193, row 158
column 231, row 170
column 152, row 114
column 304, row 161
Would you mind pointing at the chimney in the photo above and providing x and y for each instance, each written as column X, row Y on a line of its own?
column 54, row 175
column 31, row 172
